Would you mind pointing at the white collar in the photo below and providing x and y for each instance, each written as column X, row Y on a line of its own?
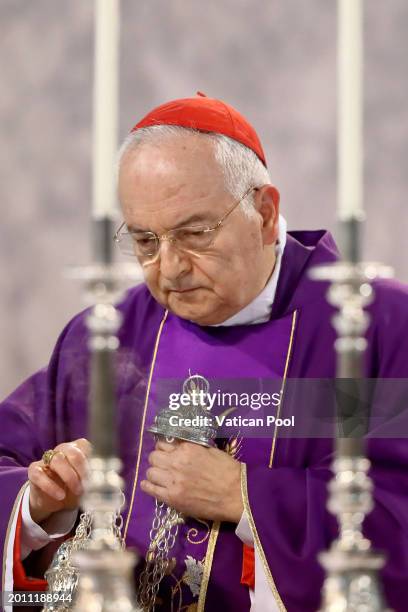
column 259, row 310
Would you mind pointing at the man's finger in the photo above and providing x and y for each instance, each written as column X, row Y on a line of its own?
column 160, row 459
column 38, row 476
column 84, row 445
column 76, row 458
column 166, row 446
column 160, row 493
column 61, row 466
column 159, row 477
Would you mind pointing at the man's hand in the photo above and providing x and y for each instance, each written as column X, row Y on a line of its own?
column 199, row 482
column 59, row 485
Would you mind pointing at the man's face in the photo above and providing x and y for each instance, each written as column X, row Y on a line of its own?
column 178, row 183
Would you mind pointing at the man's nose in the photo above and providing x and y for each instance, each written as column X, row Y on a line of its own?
column 173, row 262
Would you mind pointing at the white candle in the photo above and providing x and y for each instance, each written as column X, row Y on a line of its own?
column 105, row 107
column 350, row 110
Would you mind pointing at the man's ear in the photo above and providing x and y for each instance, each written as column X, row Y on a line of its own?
column 267, row 200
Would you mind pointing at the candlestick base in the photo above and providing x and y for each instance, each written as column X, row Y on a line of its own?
column 105, row 580
column 352, row 583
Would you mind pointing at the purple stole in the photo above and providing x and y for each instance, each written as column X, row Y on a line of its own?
column 205, row 553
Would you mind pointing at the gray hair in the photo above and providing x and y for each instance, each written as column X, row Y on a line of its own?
column 240, row 166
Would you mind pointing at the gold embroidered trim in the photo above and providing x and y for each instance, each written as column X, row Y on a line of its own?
column 233, row 446
column 16, row 506
column 212, row 540
column 257, row 541
column 156, row 346
column 288, row 355
column 193, row 533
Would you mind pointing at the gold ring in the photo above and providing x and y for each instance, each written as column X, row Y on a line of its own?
column 49, row 455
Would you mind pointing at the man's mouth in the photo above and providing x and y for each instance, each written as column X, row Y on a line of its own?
column 183, row 290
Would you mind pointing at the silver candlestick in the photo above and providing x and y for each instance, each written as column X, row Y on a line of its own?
column 92, row 572
column 352, row 583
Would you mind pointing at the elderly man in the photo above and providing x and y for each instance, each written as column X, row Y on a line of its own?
column 226, row 295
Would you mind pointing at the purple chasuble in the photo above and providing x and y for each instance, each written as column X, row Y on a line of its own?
column 255, row 351
column 285, row 480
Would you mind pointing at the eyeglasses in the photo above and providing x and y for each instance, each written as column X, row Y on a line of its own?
column 146, row 245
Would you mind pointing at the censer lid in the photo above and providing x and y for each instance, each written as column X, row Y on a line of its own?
column 191, row 422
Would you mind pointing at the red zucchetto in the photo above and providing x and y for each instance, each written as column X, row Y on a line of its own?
column 207, row 115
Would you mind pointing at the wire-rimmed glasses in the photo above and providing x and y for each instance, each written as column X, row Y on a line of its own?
column 145, row 245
